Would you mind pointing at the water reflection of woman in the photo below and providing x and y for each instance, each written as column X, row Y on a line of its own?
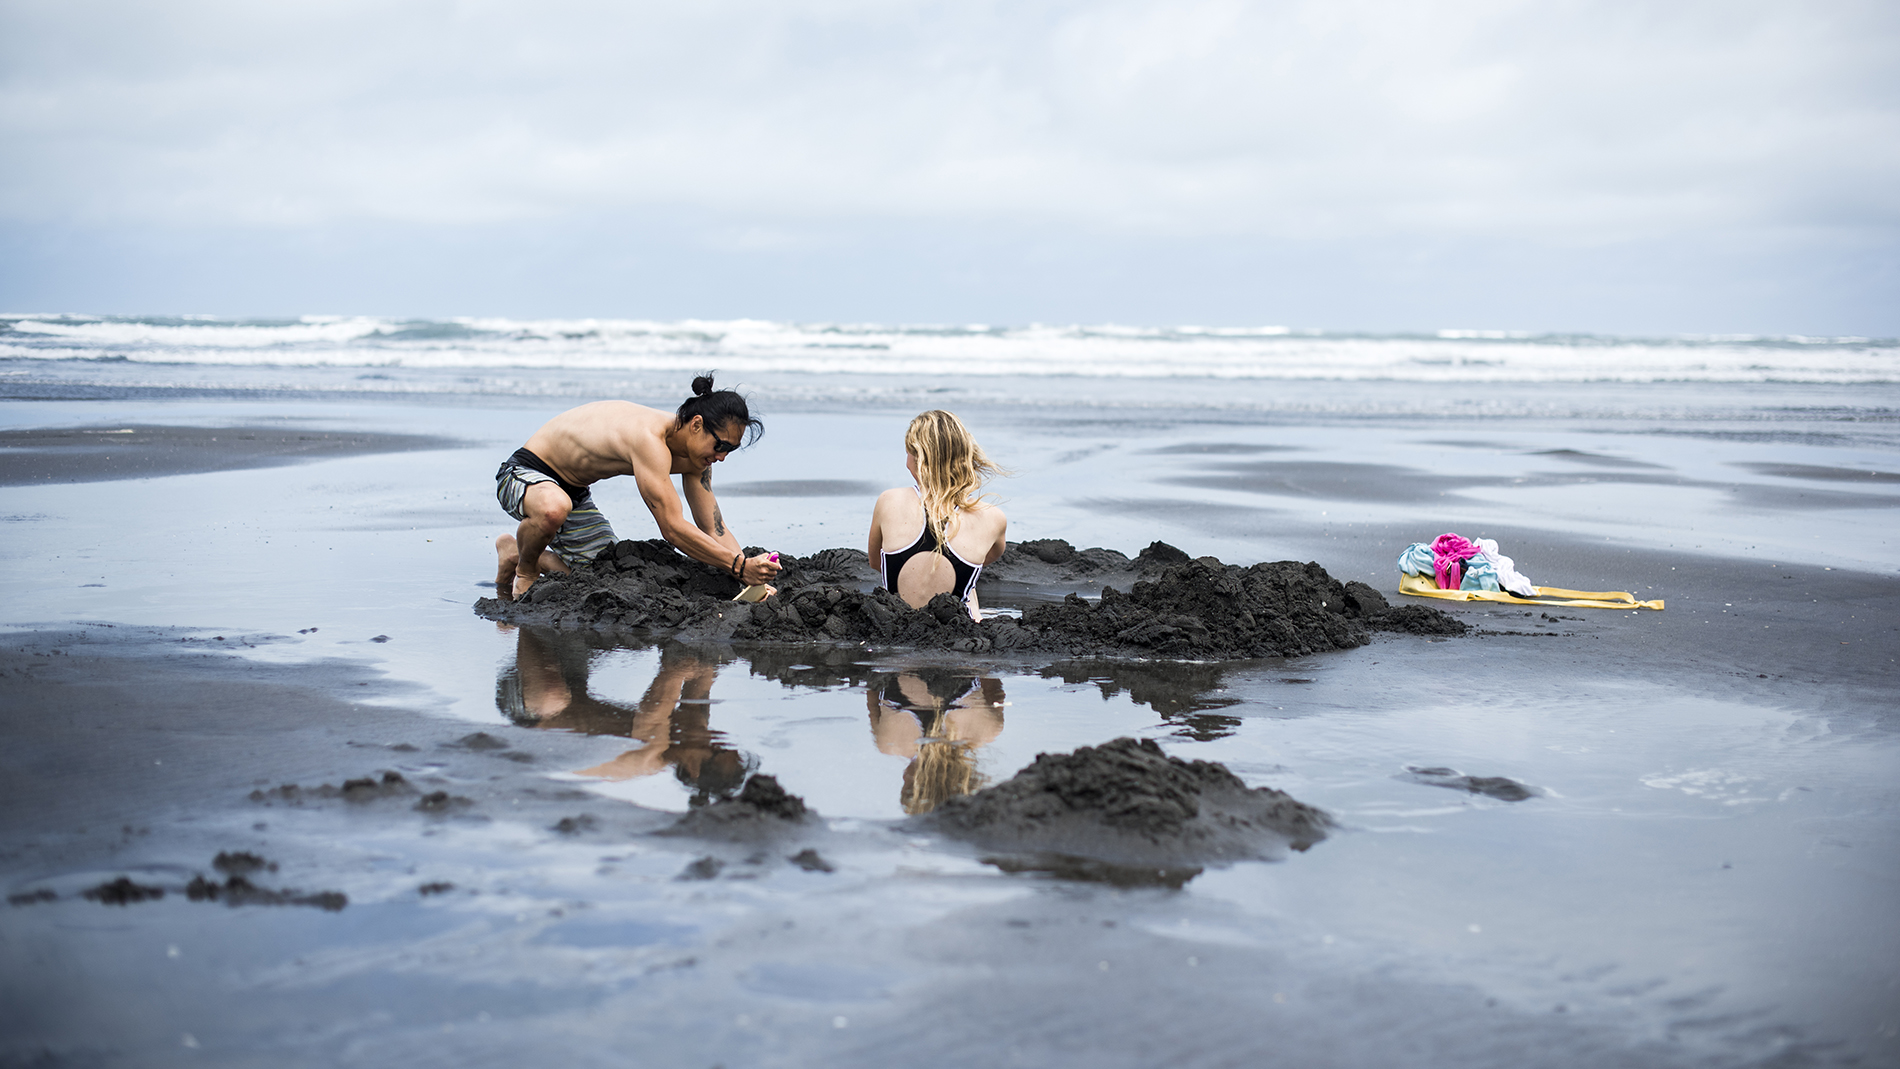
column 548, row 688
column 938, row 718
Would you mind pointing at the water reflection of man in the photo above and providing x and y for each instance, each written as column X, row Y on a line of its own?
column 548, row 688
column 938, row 718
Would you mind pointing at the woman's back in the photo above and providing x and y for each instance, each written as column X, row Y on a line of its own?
column 903, row 548
column 935, row 537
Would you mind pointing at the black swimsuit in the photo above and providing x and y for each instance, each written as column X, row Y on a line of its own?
column 964, row 572
column 943, row 699
column 576, row 494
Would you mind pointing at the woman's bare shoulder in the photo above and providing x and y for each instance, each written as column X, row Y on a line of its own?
column 896, row 498
column 986, row 512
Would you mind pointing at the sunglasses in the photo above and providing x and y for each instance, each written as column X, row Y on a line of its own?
column 721, row 446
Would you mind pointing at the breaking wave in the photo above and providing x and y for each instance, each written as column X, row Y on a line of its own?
column 753, row 346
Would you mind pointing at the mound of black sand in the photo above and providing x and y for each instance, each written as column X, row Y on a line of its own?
column 1125, row 803
column 440, row 802
column 1499, row 787
column 1174, row 607
column 241, row 863
column 811, row 861
column 361, row 789
column 704, row 868
column 1054, row 562
column 122, row 891
column 762, row 810
column 237, row 891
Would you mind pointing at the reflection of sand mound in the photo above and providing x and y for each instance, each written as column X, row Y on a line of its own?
column 1126, row 803
column 1174, row 607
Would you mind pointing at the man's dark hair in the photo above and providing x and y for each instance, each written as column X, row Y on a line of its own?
column 720, row 775
column 720, row 409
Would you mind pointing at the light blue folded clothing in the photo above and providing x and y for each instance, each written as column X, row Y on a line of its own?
column 1417, row 560
column 1480, row 574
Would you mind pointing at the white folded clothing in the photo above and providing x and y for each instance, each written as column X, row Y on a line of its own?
column 1508, row 576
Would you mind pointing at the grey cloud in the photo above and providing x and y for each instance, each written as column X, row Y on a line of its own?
column 1358, row 132
column 1305, row 119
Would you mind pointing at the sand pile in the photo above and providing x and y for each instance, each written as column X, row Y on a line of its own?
column 1127, row 803
column 1054, row 562
column 1499, row 787
column 762, row 810
column 1174, row 607
column 235, row 890
column 1123, row 811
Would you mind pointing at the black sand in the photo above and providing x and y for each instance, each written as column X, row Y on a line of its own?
column 1174, row 607
column 131, row 451
column 762, row 811
column 1126, row 803
column 496, row 915
column 112, row 733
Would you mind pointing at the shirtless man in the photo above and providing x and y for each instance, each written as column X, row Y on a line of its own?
column 545, row 485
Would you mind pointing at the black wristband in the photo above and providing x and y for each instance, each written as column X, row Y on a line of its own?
column 738, row 566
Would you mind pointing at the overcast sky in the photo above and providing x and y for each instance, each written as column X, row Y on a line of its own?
column 1352, row 164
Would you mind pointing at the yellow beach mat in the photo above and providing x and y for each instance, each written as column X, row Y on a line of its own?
column 1576, row 599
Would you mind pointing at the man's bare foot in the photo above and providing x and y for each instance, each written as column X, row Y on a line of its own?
column 522, row 583
column 507, row 556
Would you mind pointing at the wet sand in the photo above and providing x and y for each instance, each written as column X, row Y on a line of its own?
column 94, row 454
column 1701, row 872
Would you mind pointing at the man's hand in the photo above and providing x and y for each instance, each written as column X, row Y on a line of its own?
column 759, row 569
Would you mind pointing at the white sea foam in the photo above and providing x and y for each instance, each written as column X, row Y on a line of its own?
column 1112, row 351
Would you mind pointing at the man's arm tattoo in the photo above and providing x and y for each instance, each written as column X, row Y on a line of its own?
column 719, row 522
column 705, row 478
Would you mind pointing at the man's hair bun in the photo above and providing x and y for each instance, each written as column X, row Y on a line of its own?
column 719, row 409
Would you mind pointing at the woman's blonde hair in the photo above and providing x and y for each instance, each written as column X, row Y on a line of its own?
column 951, row 469
column 944, row 768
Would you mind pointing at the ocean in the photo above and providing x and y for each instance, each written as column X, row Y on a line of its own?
column 482, row 355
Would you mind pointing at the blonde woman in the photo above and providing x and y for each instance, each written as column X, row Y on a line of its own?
column 935, row 537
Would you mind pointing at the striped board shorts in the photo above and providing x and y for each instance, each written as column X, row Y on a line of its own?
column 586, row 531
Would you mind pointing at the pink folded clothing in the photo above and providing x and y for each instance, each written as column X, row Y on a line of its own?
column 1449, row 554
